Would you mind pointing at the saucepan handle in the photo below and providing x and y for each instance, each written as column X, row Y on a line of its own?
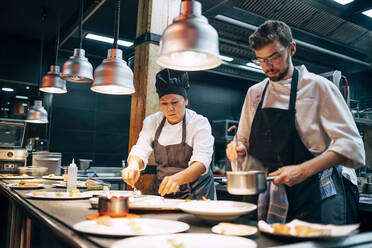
column 272, row 178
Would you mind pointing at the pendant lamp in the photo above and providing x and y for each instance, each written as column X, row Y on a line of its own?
column 52, row 83
column 77, row 68
column 113, row 76
column 189, row 43
column 37, row 113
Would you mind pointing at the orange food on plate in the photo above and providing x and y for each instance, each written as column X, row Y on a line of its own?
column 74, row 192
column 51, row 175
column 281, row 229
column 307, row 231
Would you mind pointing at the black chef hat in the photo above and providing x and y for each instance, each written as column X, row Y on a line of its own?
column 172, row 82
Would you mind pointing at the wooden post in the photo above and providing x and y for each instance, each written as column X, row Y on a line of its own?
column 153, row 16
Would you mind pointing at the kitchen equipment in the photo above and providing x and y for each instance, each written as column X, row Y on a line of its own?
column 51, row 160
column 368, row 188
column 114, row 206
column 41, row 145
column 11, row 159
column 247, row 182
column 84, row 164
column 12, row 133
column 32, row 171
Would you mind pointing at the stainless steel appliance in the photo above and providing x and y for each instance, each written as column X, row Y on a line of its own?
column 12, row 132
column 11, row 159
column 51, row 160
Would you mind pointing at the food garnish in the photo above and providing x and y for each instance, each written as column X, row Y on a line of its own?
column 173, row 243
column 104, row 220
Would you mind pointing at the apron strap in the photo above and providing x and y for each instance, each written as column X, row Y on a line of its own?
column 293, row 95
column 184, row 129
column 158, row 131
column 294, row 83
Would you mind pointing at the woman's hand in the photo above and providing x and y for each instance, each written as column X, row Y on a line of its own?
column 130, row 175
column 234, row 152
column 170, row 184
column 290, row 175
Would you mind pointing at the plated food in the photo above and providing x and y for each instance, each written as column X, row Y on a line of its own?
column 79, row 184
column 186, row 240
column 71, row 195
column 26, row 185
column 234, row 229
column 53, row 177
column 15, row 177
column 301, row 229
column 130, row 226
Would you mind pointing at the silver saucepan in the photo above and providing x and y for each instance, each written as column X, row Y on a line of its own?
column 247, row 182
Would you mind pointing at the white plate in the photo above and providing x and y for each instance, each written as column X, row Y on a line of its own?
column 113, row 192
column 185, row 240
column 132, row 227
column 64, row 196
column 217, row 210
column 18, row 186
column 154, row 202
column 81, row 185
column 57, row 178
column 16, row 177
column 234, row 229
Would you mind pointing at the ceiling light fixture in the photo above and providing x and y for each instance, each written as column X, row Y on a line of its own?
column 21, row 97
column 344, row 2
column 77, row 68
column 37, row 113
column 52, row 82
column 368, row 13
column 226, row 58
column 189, row 43
column 7, row 89
column 113, row 76
column 108, row 39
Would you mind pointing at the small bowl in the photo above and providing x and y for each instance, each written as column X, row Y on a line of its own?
column 115, row 206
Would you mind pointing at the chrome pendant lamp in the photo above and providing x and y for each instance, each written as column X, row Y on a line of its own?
column 77, row 68
column 189, row 43
column 113, row 76
column 52, row 83
column 37, row 113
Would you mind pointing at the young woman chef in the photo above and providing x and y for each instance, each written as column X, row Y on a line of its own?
column 181, row 140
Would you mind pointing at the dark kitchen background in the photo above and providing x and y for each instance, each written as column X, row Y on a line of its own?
column 84, row 124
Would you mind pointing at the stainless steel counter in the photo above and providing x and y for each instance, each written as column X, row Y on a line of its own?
column 59, row 216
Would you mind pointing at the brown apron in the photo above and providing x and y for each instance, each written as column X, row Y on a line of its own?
column 172, row 159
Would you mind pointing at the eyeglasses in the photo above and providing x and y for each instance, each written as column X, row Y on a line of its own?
column 271, row 59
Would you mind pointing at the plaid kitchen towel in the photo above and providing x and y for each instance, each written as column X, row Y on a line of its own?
column 273, row 204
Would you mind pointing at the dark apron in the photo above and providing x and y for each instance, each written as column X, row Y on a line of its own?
column 274, row 141
column 172, row 159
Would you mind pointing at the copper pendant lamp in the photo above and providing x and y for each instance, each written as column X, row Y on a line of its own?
column 37, row 113
column 190, row 43
column 113, row 76
column 77, row 68
column 52, row 82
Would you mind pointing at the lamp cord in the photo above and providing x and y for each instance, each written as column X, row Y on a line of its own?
column 81, row 24
column 116, row 24
column 57, row 36
column 43, row 17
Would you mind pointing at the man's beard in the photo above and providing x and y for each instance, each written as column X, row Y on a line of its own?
column 281, row 75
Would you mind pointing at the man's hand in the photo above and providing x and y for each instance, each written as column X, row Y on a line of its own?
column 130, row 175
column 170, row 184
column 290, row 175
column 234, row 152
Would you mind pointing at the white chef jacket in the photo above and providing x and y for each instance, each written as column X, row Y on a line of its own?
column 198, row 136
column 323, row 119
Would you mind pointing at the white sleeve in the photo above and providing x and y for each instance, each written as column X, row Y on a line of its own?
column 202, row 143
column 339, row 124
column 143, row 148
